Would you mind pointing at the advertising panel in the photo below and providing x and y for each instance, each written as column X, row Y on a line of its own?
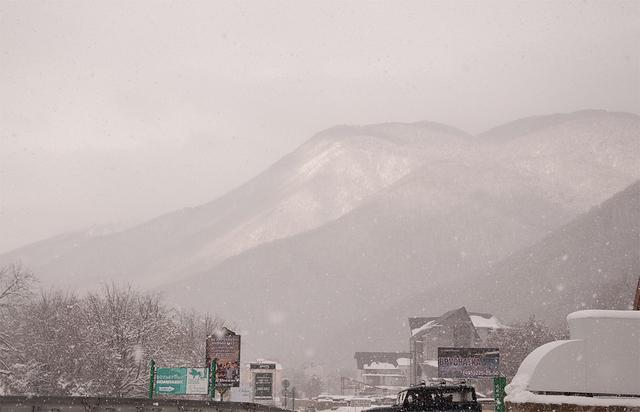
column 226, row 349
column 263, row 385
column 468, row 362
column 182, row 381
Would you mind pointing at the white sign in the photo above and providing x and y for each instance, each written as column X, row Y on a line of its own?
column 197, row 381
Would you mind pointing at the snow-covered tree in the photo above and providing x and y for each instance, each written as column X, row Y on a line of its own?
column 59, row 344
column 123, row 330
column 313, row 386
column 519, row 340
column 46, row 358
column 16, row 285
column 189, row 337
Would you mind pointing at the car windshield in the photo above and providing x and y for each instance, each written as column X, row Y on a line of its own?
column 458, row 396
column 401, row 396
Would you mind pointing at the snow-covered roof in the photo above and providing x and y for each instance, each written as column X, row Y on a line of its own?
column 403, row 362
column 368, row 358
column 380, row 365
column 603, row 314
column 426, row 326
column 479, row 320
column 490, row 322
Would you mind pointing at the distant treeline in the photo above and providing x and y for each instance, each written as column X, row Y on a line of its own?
column 59, row 343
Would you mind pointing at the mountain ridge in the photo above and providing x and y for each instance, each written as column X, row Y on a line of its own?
column 358, row 217
column 564, row 279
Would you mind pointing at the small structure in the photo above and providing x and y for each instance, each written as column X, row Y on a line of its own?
column 384, row 371
column 597, row 368
column 456, row 328
column 260, row 383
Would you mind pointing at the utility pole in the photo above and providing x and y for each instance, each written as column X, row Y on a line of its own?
column 293, row 399
column 636, row 303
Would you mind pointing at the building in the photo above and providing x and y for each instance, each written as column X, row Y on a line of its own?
column 456, row 328
column 382, row 372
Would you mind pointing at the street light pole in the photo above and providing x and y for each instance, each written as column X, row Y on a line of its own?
column 293, row 398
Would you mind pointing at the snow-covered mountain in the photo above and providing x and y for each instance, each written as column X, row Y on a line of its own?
column 330, row 175
column 358, row 219
column 593, row 262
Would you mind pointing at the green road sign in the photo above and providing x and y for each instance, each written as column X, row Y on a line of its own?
column 182, row 381
column 499, row 384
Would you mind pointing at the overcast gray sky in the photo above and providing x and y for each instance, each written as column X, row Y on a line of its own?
column 121, row 110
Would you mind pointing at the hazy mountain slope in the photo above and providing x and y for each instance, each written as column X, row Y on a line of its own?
column 325, row 178
column 358, row 219
column 447, row 219
column 580, row 161
column 424, row 232
column 522, row 127
column 592, row 262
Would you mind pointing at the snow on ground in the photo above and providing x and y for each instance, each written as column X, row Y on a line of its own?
column 350, row 409
column 600, row 358
column 528, row 397
column 380, row 365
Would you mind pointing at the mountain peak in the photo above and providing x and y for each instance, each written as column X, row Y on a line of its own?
column 528, row 125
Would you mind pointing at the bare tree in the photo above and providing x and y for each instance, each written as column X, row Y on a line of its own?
column 15, row 288
column 123, row 329
column 15, row 284
column 57, row 343
column 45, row 335
column 191, row 331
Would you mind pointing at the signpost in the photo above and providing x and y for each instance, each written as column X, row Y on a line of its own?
column 212, row 379
column 262, row 365
column 285, row 390
column 263, row 378
column 182, row 381
column 223, row 349
column 263, row 386
column 474, row 363
column 468, row 362
column 499, row 383
column 152, row 377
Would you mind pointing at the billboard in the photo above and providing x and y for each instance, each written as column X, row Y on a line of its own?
column 182, row 381
column 263, row 385
column 225, row 348
column 262, row 365
column 468, row 362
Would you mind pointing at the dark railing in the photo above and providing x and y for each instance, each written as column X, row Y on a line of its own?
column 97, row 404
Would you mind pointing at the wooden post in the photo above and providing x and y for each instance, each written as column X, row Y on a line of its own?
column 212, row 378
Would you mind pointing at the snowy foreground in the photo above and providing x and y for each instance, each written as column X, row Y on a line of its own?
column 602, row 357
column 528, row 397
